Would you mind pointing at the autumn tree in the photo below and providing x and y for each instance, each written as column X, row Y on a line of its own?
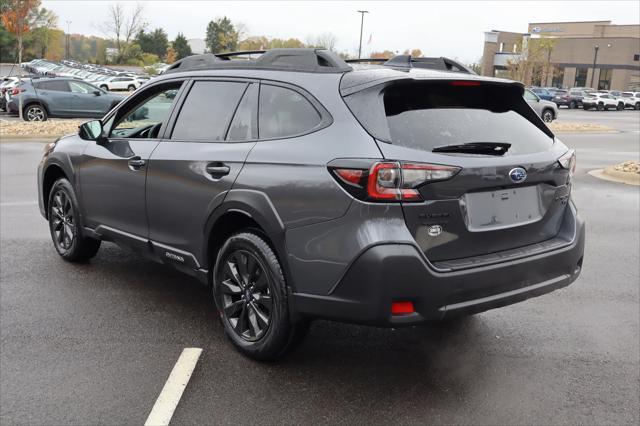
column 18, row 17
column 221, row 36
column 170, row 56
column 534, row 63
column 415, row 53
column 386, row 54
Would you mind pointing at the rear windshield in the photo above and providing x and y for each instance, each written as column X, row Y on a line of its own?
column 429, row 115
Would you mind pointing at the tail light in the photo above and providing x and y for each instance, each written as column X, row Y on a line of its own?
column 568, row 161
column 389, row 181
column 16, row 90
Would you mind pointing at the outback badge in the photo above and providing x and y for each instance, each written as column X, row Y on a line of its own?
column 434, row 230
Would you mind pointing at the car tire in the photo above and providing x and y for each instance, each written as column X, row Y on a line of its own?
column 35, row 112
column 65, row 224
column 600, row 107
column 547, row 116
column 573, row 105
column 104, row 87
column 131, row 88
column 620, row 107
column 251, row 296
column 637, row 106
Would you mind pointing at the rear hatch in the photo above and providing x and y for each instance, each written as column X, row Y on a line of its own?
column 511, row 190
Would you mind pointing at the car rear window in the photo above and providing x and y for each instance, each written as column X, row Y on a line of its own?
column 56, row 86
column 424, row 116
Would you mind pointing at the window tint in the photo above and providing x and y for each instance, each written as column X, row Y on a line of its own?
column 207, row 111
column 284, row 112
column 56, row 86
column 145, row 119
column 245, row 122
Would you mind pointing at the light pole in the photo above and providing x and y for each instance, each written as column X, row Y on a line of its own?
column 361, row 12
column 68, row 39
column 595, row 58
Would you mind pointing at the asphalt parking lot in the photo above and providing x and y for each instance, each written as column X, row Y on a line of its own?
column 95, row 343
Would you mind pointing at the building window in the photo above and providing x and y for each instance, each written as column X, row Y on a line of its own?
column 501, row 47
column 604, row 80
column 558, row 77
column 581, row 77
column 636, row 57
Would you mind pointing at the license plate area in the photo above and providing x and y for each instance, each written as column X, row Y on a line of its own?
column 500, row 209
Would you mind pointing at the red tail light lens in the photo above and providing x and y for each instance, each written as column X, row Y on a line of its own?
column 402, row 308
column 465, row 83
column 390, row 181
column 16, row 90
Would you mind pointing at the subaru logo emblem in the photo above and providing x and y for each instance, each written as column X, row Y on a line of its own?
column 434, row 230
column 518, row 175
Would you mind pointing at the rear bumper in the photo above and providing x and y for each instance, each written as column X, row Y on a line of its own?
column 399, row 272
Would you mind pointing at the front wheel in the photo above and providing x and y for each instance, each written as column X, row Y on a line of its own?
column 547, row 116
column 600, row 107
column 637, row 106
column 251, row 296
column 131, row 88
column 620, row 107
column 573, row 105
column 104, row 87
column 65, row 227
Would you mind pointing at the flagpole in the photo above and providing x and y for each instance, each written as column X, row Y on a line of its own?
column 361, row 12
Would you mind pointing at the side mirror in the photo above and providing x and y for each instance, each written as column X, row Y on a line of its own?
column 92, row 131
column 97, row 92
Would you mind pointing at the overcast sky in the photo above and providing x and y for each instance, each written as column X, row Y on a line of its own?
column 452, row 28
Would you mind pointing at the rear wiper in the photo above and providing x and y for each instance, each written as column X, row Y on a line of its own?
column 483, row 148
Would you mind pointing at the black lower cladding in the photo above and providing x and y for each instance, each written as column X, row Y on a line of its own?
column 388, row 273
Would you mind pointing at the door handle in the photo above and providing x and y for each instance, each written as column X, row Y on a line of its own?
column 217, row 170
column 136, row 162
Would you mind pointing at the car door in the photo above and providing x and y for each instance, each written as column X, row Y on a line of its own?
column 197, row 162
column 113, row 173
column 56, row 96
column 87, row 100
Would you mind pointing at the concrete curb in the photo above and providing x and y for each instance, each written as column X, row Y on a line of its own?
column 612, row 175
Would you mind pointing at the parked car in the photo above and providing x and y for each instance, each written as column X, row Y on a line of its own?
column 599, row 101
column 547, row 110
column 120, row 83
column 543, row 94
column 60, row 97
column 631, row 99
column 7, row 83
column 451, row 196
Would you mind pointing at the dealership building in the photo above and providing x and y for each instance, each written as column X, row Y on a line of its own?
column 568, row 54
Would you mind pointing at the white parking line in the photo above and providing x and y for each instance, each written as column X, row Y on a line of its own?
column 18, row 203
column 168, row 399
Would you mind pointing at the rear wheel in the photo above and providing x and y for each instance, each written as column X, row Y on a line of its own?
column 620, row 107
column 573, row 105
column 131, row 88
column 547, row 116
column 35, row 112
column 251, row 296
column 637, row 106
column 104, row 87
column 600, row 107
column 65, row 227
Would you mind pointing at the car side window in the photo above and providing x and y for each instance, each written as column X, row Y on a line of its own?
column 54, row 86
column 207, row 110
column 144, row 119
column 284, row 113
column 528, row 95
column 244, row 125
column 80, row 87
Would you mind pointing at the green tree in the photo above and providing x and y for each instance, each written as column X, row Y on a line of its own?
column 221, row 36
column 155, row 42
column 181, row 46
column 8, row 44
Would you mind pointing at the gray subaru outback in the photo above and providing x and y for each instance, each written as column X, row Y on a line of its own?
column 299, row 186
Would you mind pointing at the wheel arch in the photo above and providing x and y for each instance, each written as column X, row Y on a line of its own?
column 52, row 173
column 245, row 209
column 37, row 102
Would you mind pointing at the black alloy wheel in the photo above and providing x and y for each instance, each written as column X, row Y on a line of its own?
column 63, row 228
column 246, row 295
column 547, row 116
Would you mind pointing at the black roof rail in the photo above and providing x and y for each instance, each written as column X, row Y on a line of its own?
column 407, row 62
column 304, row 60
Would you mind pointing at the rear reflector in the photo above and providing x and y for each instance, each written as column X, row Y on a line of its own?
column 465, row 83
column 402, row 308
